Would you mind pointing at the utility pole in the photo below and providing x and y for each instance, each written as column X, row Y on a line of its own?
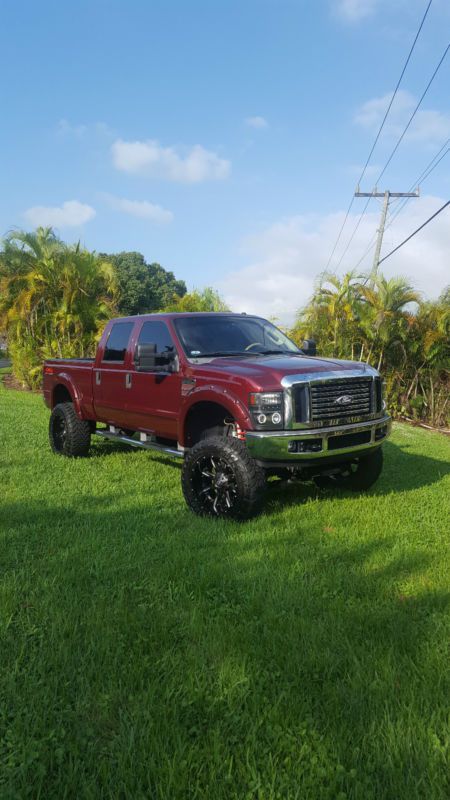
column 386, row 198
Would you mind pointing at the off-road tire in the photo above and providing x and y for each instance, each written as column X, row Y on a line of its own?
column 68, row 434
column 225, row 459
column 357, row 477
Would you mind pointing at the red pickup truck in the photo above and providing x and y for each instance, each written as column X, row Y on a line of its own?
column 232, row 396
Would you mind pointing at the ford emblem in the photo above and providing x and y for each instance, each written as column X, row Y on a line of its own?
column 343, row 400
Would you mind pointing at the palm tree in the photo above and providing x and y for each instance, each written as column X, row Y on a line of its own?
column 55, row 297
column 385, row 301
column 206, row 300
column 334, row 311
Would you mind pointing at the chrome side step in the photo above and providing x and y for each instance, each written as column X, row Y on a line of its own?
column 144, row 445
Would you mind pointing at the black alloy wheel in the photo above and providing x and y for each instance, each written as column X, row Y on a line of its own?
column 221, row 479
column 215, row 484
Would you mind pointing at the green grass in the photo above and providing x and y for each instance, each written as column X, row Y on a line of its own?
column 146, row 653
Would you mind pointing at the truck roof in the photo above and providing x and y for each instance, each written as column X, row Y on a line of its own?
column 179, row 314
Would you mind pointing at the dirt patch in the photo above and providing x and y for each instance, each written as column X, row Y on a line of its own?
column 10, row 382
column 415, row 423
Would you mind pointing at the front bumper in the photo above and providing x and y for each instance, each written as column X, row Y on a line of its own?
column 299, row 446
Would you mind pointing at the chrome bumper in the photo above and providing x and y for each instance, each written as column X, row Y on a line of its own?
column 303, row 445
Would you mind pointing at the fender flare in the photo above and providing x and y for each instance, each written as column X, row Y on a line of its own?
column 65, row 379
column 214, row 394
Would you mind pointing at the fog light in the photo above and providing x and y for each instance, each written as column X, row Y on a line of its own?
column 262, row 419
column 306, row 446
column 276, row 418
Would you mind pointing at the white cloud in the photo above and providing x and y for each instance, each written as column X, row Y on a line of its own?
column 427, row 125
column 141, row 208
column 70, row 130
column 65, row 128
column 355, row 10
column 256, row 122
column 285, row 259
column 70, row 214
column 151, row 159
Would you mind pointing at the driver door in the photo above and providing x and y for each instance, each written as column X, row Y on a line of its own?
column 154, row 398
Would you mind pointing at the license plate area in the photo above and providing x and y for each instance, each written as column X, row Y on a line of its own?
column 349, row 440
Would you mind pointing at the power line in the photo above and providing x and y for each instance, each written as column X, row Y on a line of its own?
column 395, row 150
column 429, row 168
column 354, row 232
column 416, row 231
column 425, row 174
column 379, row 132
column 395, row 91
column 414, row 113
column 422, row 177
column 340, row 232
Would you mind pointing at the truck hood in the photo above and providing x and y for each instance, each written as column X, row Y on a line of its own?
column 268, row 371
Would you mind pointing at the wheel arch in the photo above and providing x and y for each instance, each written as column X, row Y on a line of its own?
column 206, row 409
column 64, row 391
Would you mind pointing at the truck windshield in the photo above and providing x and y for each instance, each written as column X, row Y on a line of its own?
column 228, row 336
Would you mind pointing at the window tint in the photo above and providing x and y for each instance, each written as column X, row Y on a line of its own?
column 156, row 333
column 116, row 346
column 230, row 334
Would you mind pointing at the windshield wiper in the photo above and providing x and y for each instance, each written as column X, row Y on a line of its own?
column 245, row 353
column 221, row 353
column 275, row 353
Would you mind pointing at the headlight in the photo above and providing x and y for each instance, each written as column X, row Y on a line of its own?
column 266, row 409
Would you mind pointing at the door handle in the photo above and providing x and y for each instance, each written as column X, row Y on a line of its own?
column 98, row 377
column 128, row 380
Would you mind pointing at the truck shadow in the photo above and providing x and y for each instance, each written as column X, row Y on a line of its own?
column 403, row 471
column 103, row 447
column 274, row 648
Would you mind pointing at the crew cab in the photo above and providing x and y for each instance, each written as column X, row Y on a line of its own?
column 232, row 396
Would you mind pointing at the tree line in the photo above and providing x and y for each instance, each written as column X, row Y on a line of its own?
column 56, row 298
column 387, row 323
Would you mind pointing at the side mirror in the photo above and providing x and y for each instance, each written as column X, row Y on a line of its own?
column 148, row 360
column 309, row 347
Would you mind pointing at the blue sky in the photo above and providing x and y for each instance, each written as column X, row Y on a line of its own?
column 224, row 139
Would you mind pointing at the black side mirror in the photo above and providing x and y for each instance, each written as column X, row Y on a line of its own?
column 148, row 360
column 309, row 347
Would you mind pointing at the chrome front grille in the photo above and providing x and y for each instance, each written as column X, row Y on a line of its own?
column 341, row 399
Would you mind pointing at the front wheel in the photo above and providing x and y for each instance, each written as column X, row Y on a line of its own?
column 221, row 479
column 356, row 477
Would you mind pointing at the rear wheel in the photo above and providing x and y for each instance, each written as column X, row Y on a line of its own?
column 221, row 479
column 358, row 476
column 68, row 434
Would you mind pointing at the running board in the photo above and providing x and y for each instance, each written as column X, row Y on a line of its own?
column 160, row 448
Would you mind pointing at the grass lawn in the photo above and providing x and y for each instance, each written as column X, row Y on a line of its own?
column 147, row 653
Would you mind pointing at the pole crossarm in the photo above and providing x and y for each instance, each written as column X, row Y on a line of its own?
column 391, row 194
column 386, row 195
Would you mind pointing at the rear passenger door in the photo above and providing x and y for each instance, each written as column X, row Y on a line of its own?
column 110, row 376
column 154, row 398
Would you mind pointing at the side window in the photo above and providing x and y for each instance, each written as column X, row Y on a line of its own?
column 156, row 333
column 116, row 346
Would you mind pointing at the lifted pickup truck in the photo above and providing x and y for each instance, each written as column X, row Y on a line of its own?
column 232, row 396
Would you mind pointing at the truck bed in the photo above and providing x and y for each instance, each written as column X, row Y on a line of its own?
column 60, row 361
column 75, row 374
